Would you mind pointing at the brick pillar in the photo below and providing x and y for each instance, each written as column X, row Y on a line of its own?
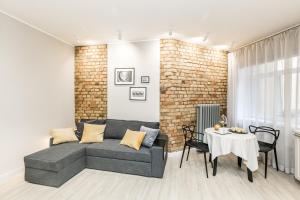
column 90, row 82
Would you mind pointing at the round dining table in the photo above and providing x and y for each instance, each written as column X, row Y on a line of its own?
column 244, row 146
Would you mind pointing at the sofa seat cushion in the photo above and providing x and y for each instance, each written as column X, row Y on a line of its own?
column 116, row 129
column 111, row 148
column 56, row 157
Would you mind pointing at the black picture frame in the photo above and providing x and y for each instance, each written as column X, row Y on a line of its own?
column 138, row 99
column 124, row 69
column 143, row 77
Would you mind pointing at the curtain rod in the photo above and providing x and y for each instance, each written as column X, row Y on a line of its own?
column 269, row 36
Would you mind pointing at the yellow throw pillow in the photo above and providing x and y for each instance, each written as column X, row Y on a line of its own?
column 63, row 135
column 92, row 133
column 133, row 139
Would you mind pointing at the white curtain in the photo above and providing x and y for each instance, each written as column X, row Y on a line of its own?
column 264, row 89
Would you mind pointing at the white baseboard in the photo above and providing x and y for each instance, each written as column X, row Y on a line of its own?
column 174, row 153
column 179, row 152
column 8, row 175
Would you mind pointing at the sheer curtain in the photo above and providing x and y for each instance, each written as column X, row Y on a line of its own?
column 264, row 89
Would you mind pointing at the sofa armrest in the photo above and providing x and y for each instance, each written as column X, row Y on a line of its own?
column 162, row 140
column 51, row 142
column 159, row 155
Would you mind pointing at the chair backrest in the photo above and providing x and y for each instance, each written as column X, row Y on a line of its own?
column 188, row 130
column 265, row 130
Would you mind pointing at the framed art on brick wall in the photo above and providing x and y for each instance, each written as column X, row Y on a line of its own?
column 124, row 76
column 137, row 93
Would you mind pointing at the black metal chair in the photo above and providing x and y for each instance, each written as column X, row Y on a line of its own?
column 191, row 141
column 265, row 147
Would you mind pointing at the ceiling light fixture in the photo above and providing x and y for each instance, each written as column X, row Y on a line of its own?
column 170, row 33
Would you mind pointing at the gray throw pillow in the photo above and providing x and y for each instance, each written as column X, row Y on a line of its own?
column 150, row 136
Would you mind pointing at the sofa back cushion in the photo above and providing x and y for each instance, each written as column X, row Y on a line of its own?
column 116, row 129
column 94, row 121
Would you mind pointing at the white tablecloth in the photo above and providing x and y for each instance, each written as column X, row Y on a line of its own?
column 242, row 145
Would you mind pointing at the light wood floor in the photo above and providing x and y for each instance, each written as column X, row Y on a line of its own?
column 189, row 183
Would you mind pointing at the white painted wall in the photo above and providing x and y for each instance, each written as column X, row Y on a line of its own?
column 144, row 57
column 36, row 91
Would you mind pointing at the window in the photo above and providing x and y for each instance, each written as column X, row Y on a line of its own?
column 271, row 90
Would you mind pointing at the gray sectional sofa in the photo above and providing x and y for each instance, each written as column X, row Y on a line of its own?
column 58, row 163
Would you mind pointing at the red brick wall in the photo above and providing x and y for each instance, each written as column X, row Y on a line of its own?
column 189, row 75
column 90, row 82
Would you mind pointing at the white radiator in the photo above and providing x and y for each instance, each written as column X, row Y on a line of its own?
column 207, row 116
column 297, row 156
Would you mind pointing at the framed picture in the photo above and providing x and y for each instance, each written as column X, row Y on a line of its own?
column 137, row 93
column 145, row 79
column 124, row 76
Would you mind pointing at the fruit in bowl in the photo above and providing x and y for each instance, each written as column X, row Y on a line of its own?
column 237, row 130
column 217, row 127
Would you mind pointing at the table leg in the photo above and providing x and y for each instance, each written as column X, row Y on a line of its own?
column 239, row 161
column 250, row 177
column 215, row 166
column 211, row 162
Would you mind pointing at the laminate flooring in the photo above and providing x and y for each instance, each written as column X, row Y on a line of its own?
column 188, row 183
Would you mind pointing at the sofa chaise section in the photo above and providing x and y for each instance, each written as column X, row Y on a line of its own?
column 55, row 165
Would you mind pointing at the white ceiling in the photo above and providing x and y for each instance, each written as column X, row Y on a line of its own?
column 227, row 22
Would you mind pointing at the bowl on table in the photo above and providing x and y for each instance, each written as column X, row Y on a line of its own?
column 237, row 130
column 217, row 127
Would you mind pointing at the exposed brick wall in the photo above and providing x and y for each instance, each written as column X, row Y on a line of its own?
column 90, row 82
column 189, row 75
